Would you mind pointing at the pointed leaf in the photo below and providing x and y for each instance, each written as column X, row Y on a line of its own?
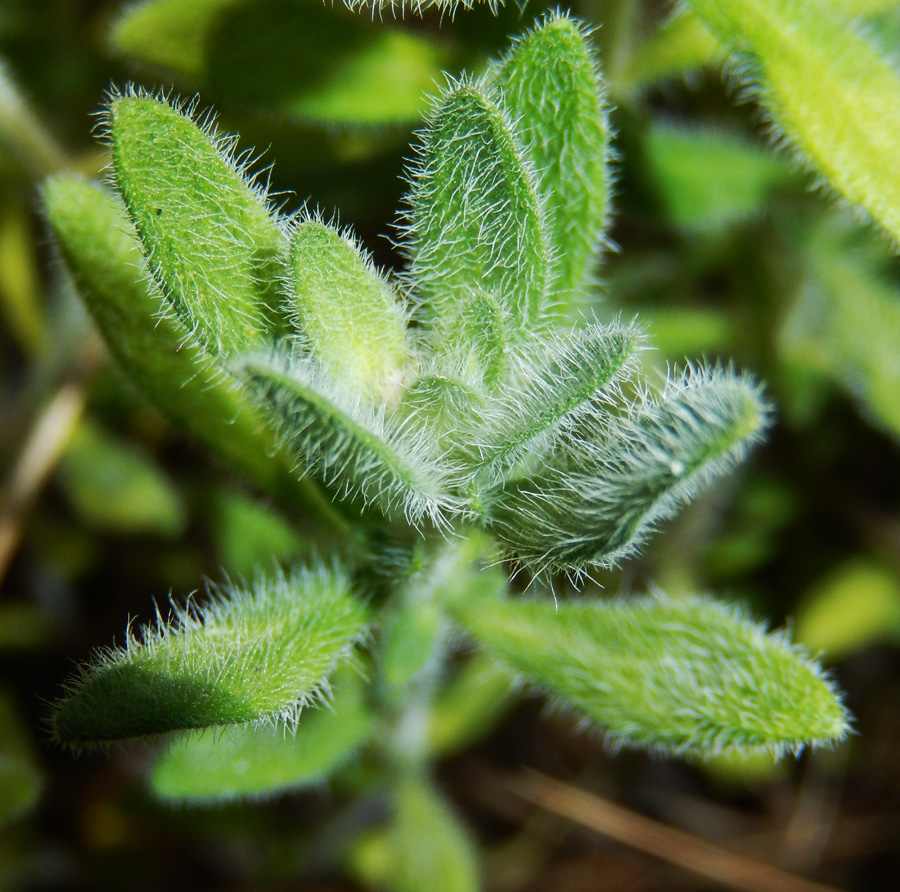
column 347, row 311
column 474, row 220
column 361, row 453
column 595, row 504
column 247, row 761
column 678, row 676
column 249, row 655
column 152, row 346
column 551, row 85
column 206, row 229
column 573, row 377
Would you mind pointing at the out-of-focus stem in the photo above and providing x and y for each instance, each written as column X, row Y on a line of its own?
column 23, row 135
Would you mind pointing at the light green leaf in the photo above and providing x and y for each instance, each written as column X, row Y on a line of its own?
column 207, row 231
column 429, row 848
column 351, row 71
column 711, row 178
column 555, row 388
column 153, row 347
column 551, row 85
column 249, row 536
column 845, row 324
column 347, row 312
column 470, row 705
column 474, row 220
column 597, row 499
column 173, row 34
column 680, row 45
column 114, row 486
column 855, row 605
column 363, row 454
column 828, row 87
column 410, row 640
column 249, row 655
column 688, row 676
column 206, row 767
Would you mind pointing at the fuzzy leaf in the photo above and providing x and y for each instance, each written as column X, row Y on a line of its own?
column 249, row 655
column 830, row 88
column 474, row 220
column 249, row 761
column 152, row 346
column 347, row 311
column 595, row 502
column 361, row 453
column 551, row 86
column 574, row 377
column 430, row 848
column 678, row 676
column 206, row 229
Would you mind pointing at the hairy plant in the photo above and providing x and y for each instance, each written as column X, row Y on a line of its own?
column 428, row 429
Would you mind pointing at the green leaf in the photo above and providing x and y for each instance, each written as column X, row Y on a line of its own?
column 597, row 499
column 846, row 324
column 680, row 45
column 249, row 535
column 689, row 676
column 474, row 221
column 153, row 347
column 250, row 761
column 347, row 311
column 470, row 705
column 205, row 227
column 249, row 655
column 351, row 70
column 855, row 605
column 828, row 87
column 410, row 640
column 172, row 34
column 567, row 380
column 114, row 486
column 20, row 779
column 709, row 178
column 551, row 85
column 429, row 848
column 360, row 452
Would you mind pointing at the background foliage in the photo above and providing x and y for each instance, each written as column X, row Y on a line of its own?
column 725, row 252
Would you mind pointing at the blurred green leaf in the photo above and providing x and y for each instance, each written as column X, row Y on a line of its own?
column 116, row 486
column 208, row 767
column 20, row 780
column 711, row 178
column 855, row 605
column 428, row 846
column 687, row 676
column 321, row 64
column 469, row 705
column 249, row 536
